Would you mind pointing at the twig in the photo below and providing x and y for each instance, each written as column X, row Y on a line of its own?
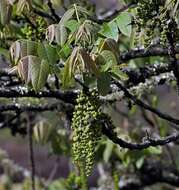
column 137, row 146
column 57, row 85
column 146, row 106
column 57, row 18
column 113, row 15
column 43, row 14
column 10, row 120
column 31, row 152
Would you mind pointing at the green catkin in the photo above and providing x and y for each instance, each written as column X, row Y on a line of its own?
column 36, row 33
column 86, row 131
column 148, row 18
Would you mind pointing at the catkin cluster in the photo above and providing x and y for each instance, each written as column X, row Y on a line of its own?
column 148, row 19
column 35, row 31
column 86, row 130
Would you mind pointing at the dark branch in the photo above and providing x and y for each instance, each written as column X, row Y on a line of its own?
column 137, row 146
column 146, row 106
column 139, row 75
column 66, row 96
column 43, row 14
column 142, row 53
column 31, row 153
column 37, row 108
column 113, row 15
column 57, row 18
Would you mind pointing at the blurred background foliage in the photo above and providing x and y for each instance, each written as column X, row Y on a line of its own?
column 49, row 45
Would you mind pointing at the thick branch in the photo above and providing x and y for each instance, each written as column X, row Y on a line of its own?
column 66, row 96
column 138, row 146
column 43, row 14
column 37, row 108
column 139, row 75
column 57, row 18
column 146, row 106
column 142, row 53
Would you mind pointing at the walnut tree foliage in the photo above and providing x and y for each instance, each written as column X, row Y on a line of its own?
column 84, row 76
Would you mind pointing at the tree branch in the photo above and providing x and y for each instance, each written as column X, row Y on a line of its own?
column 139, row 75
column 66, row 96
column 146, row 106
column 37, row 108
column 142, row 53
column 57, row 18
column 137, row 146
column 43, row 14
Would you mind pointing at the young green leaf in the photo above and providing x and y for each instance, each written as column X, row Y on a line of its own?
column 70, row 67
column 118, row 74
column 111, row 45
column 61, row 34
column 108, row 151
column 5, row 12
column 110, row 30
column 39, row 72
column 88, row 64
column 124, row 23
column 32, row 70
column 103, row 83
column 67, row 16
column 47, row 52
column 72, row 25
column 22, row 48
column 110, row 60
column 23, row 70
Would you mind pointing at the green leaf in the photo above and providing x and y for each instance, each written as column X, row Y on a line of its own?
column 32, row 69
column 103, row 83
column 140, row 162
column 39, row 73
column 108, row 151
column 47, row 52
column 89, row 80
column 5, row 11
column 61, row 34
column 23, row 70
column 154, row 150
column 87, row 62
column 67, row 75
column 110, row 60
column 70, row 67
column 56, row 3
column 118, row 74
column 51, row 33
column 42, row 131
column 23, row 5
column 65, row 51
column 124, row 23
column 72, row 25
column 22, row 48
column 67, row 16
column 5, row 52
column 110, row 30
column 111, row 45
